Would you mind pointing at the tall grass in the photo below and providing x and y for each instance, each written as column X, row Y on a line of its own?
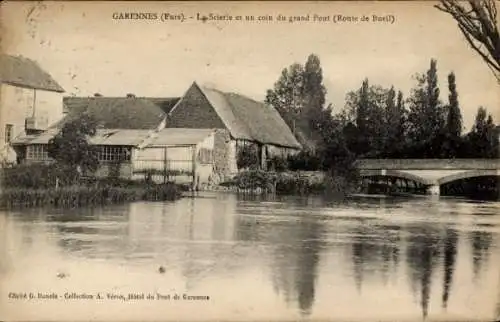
column 286, row 183
column 85, row 196
column 35, row 185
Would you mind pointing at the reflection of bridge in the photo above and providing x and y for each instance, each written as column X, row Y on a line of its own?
column 429, row 172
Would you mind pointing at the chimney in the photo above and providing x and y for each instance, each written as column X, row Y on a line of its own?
column 130, row 95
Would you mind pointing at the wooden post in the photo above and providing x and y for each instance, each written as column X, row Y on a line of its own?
column 194, row 165
column 165, row 168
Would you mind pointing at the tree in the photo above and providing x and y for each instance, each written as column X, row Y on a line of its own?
column 314, row 92
column 426, row 114
column 482, row 140
column 299, row 97
column 453, row 129
column 477, row 20
column 454, row 117
column 71, row 148
column 287, row 96
column 394, row 122
column 365, row 109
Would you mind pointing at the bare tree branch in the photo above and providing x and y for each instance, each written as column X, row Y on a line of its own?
column 477, row 20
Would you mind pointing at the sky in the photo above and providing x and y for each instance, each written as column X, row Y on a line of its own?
column 87, row 51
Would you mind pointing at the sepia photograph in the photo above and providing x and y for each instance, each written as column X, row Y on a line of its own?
column 250, row 161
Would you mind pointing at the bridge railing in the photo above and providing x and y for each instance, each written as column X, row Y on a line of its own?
column 428, row 164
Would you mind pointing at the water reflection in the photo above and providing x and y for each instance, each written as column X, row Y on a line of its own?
column 422, row 258
column 295, row 241
column 450, row 253
column 375, row 251
column 480, row 242
column 306, row 253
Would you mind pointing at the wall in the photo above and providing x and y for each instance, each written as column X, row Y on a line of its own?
column 278, row 151
column 194, row 111
column 204, row 172
column 224, row 156
column 16, row 104
column 178, row 158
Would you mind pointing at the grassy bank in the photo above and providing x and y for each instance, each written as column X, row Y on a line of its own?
column 50, row 186
column 85, row 196
column 291, row 183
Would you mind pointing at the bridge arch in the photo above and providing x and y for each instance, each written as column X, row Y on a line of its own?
column 468, row 174
column 395, row 173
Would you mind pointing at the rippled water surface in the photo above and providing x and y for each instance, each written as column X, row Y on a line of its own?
column 269, row 259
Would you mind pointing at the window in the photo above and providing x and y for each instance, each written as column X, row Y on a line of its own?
column 113, row 153
column 37, row 152
column 205, row 156
column 9, row 132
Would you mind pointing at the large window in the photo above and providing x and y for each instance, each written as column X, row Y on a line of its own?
column 113, row 153
column 9, row 132
column 205, row 156
column 37, row 152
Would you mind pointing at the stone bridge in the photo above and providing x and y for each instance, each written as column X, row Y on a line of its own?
column 429, row 172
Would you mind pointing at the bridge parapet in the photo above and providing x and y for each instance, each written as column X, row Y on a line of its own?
column 428, row 164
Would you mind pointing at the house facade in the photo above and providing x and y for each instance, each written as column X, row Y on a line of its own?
column 197, row 136
column 245, row 121
column 181, row 155
column 30, row 100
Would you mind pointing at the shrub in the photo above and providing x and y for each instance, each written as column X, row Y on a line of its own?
column 278, row 164
column 38, row 176
column 304, row 161
column 295, row 183
column 253, row 179
column 247, row 157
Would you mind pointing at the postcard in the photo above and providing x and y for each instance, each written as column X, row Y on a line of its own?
column 249, row 161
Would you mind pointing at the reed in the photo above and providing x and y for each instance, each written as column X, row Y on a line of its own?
column 85, row 196
column 286, row 183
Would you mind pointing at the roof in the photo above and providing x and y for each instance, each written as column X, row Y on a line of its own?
column 248, row 119
column 42, row 138
column 103, row 137
column 119, row 137
column 166, row 103
column 116, row 112
column 24, row 72
column 179, row 136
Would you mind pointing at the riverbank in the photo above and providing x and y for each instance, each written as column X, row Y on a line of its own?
column 86, row 196
column 285, row 183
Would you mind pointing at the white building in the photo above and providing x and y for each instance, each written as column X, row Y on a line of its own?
column 30, row 100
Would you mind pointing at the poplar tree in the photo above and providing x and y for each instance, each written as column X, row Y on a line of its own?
column 453, row 129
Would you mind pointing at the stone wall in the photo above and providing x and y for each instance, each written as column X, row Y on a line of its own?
column 223, row 159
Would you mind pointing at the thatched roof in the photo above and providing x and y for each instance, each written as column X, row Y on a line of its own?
column 166, row 103
column 247, row 119
column 116, row 112
column 24, row 72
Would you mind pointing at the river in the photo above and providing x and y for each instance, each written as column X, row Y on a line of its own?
column 244, row 258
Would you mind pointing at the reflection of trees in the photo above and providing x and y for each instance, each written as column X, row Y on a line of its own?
column 308, row 259
column 374, row 250
column 450, row 252
column 87, row 229
column 480, row 242
column 295, row 254
column 422, row 253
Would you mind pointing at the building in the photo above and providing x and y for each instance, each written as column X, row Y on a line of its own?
column 181, row 155
column 30, row 100
column 196, row 136
column 246, row 121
